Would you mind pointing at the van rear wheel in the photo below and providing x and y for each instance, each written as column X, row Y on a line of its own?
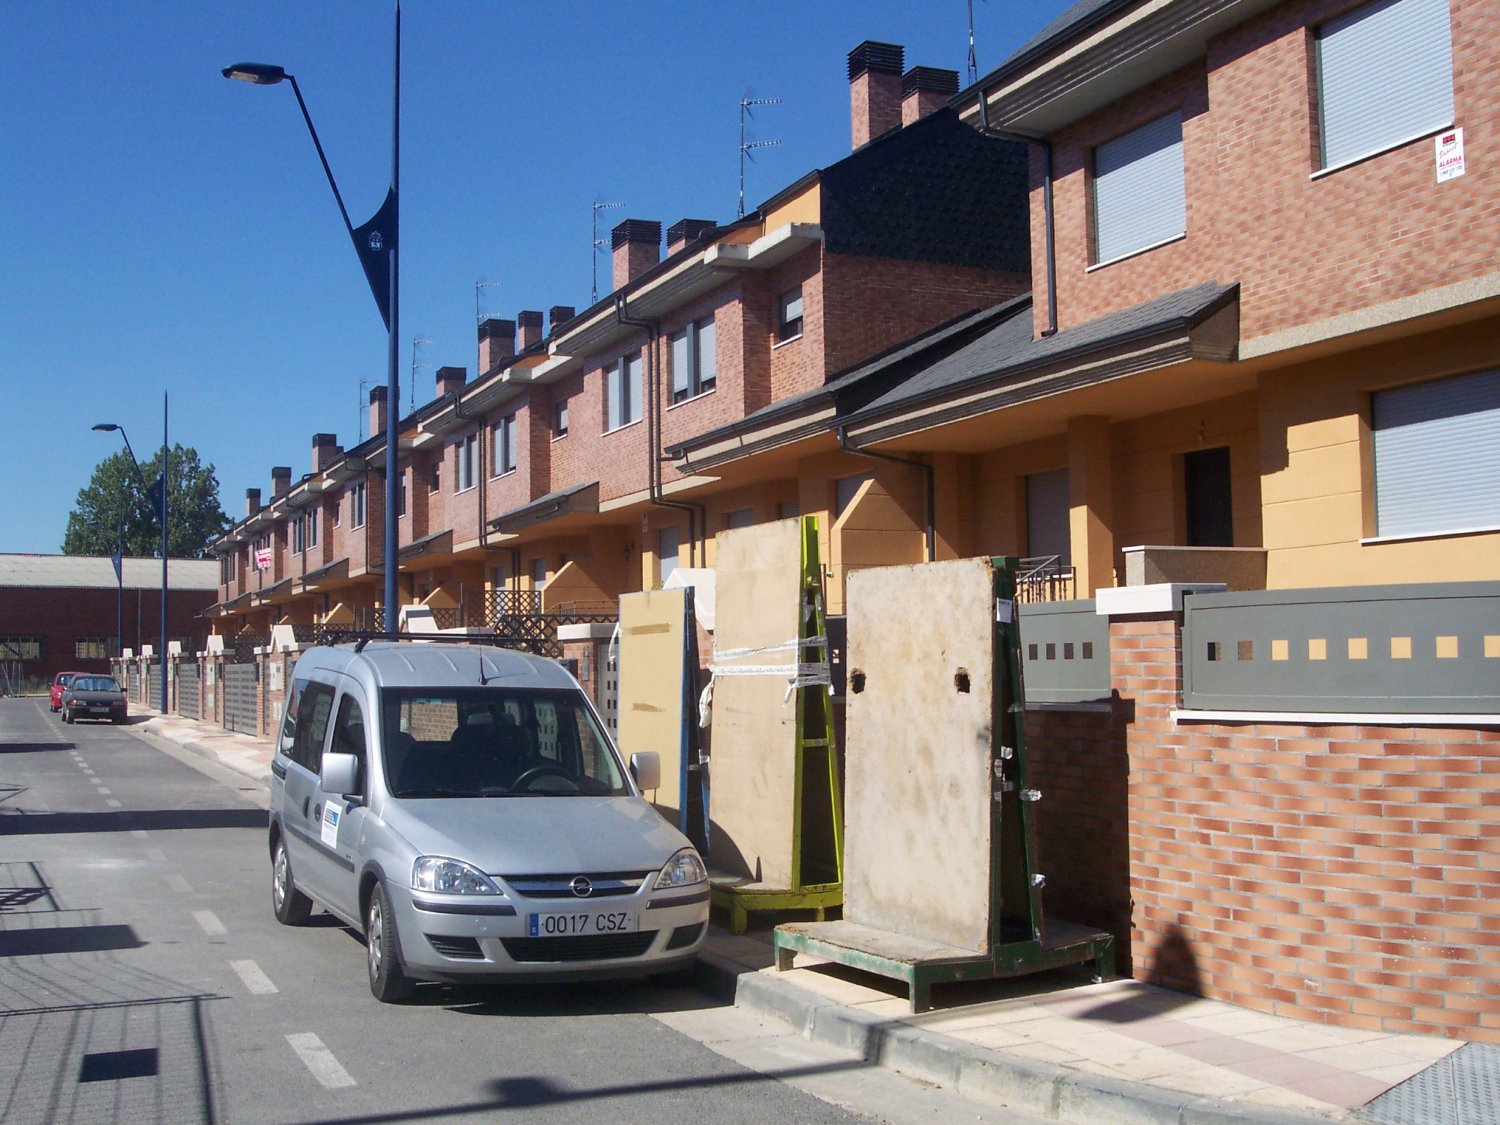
column 388, row 980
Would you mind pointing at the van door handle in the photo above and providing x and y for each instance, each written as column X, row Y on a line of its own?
column 305, row 802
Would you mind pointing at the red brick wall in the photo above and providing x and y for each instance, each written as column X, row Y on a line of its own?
column 869, row 304
column 1341, row 874
column 1303, row 248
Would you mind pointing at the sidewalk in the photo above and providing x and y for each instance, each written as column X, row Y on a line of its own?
column 1056, row 1046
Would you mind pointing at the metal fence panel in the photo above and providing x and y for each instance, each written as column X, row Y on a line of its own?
column 241, row 698
column 1432, row 648
column 189, row 692
column 1065, row 652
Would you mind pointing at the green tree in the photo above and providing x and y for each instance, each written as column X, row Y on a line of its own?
column 114, row 507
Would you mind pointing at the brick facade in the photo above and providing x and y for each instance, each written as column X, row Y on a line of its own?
column 1332, row 873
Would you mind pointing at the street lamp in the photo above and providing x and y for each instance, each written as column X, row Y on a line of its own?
column 111, row 427
column 376, row 245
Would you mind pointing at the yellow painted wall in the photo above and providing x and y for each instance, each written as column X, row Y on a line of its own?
column 1317, row 467
column 884, row 525
column 804, row 207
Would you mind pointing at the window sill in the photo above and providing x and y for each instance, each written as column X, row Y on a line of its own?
column 459, row 492
column 1136, row 253
column 559, row 437
column 510, row 472
column 692, row 398
column 1417, row 536
column 626, row 426
column 788, row 340
column 1382, row 150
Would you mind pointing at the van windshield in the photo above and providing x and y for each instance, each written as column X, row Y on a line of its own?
column 495, row 742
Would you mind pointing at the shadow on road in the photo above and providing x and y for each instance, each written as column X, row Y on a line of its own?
column 21, row 823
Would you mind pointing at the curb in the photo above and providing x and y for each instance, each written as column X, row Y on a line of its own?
column 1028, row 1085
column 168, row 733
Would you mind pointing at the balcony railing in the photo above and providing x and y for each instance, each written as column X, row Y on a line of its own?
column 1044, row 578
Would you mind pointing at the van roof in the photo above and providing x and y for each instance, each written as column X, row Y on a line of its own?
column 424, row 664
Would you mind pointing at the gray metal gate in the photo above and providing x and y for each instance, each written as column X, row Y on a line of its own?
column 153, row 686
column 189, row 692
column 241, row 698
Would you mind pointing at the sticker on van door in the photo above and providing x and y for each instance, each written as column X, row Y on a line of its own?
column 332, row 814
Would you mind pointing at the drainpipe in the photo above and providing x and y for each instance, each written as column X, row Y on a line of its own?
column 696, row 512
column 1048, row 220
column 931, row 536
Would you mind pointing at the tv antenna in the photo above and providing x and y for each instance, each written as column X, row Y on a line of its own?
column 412, row 382
column 973, row 59
column 479, row 288
column 746, row 147
column 597, row 243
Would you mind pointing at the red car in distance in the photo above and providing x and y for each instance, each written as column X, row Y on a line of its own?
column 60, row 684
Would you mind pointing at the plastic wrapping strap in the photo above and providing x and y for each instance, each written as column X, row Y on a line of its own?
column 798, row 675
column 784, row 646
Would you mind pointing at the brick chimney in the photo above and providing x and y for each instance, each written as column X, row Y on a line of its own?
column 679, row 234
column 450, row 379
column 281, row 480
column 252, row 501
column 528, row 329
column 559, row 315
column 325, row 448
column 497, row 342
column 637, row 247
column 874, row 90
column 377, row 410
column 925, row 89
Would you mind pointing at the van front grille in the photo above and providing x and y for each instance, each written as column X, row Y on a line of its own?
column 463, row 948
column 591, row 947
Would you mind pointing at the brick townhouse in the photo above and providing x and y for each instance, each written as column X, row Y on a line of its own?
column 545, row 474
column 1260, row 349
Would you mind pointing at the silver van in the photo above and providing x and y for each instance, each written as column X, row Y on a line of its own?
column 463, row 806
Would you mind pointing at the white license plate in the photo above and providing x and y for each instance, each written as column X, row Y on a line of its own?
column 581, row 923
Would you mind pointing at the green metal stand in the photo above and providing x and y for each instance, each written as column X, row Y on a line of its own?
column 1019, row 941
column 817, row 862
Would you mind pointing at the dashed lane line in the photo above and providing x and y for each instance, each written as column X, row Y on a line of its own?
column 209, row 923
column 254, row 978
column 319, row 1059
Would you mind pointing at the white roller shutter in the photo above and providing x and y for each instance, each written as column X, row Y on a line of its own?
column 1139, row 196
column 1385, row 76
column 1437, row 455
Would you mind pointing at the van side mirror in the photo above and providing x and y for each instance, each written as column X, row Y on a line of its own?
column 646, row 768
column 340, row 774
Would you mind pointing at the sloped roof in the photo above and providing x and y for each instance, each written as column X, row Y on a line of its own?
column 1011, row 347
column 934, row 191
column 90, row 572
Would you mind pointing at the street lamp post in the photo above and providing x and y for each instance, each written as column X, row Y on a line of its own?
column 110, row 427
column 376, row 243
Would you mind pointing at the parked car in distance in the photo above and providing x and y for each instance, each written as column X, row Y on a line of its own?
column 93, row 697
column 59, row 685
column 463, row 806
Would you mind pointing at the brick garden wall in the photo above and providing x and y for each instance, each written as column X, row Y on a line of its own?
column 1332, row 873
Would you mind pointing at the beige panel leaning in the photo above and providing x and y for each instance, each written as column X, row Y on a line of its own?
column 917, row 858
column 753, row 786
column 651, row 672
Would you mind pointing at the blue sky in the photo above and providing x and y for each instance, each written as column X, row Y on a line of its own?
column 164, row 231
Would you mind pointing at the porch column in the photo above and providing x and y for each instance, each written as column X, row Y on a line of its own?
column 1091, row 503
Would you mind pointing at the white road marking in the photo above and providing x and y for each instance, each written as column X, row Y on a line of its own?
column 319, row 1059
column 114, row 804
column 179, row 884
column 104, row 791
column 156, row 855
column 209, row 922
column 138, row 833
column 255, row 980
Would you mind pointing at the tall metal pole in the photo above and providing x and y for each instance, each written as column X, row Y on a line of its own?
column 164, row 480
column 393, row 377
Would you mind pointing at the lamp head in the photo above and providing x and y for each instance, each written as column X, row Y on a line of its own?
column 108, row 427
column 257, row 74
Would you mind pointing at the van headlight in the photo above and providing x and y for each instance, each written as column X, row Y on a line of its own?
column 444, row 876
column 682, row 870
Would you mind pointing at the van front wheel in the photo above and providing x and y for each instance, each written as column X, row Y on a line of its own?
column 291, row 906
column 388, row 980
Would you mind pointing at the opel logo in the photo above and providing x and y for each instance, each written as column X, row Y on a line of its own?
column 581, row 887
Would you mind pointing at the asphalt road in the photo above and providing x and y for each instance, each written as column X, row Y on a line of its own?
column 143, row 978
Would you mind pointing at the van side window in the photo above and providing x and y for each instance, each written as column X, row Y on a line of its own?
column 314, row 705
column 349, row 732
column 289, row 724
